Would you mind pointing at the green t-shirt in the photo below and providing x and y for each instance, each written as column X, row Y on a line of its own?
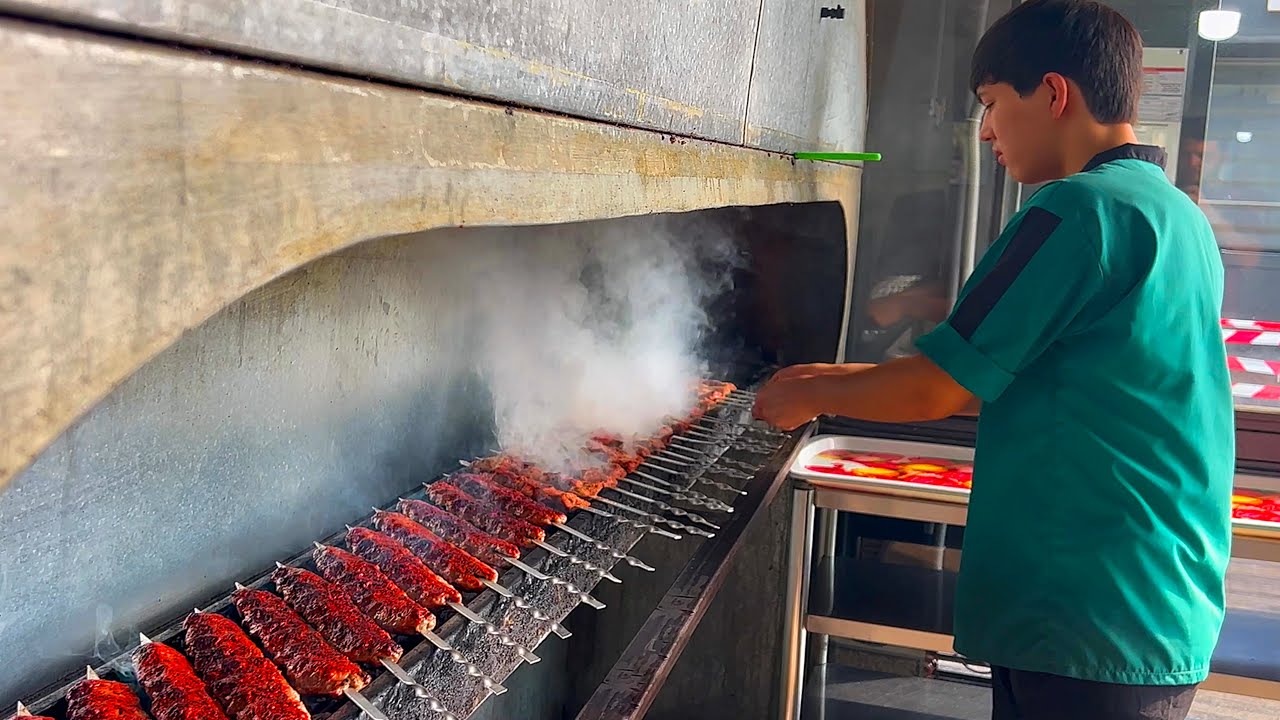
column 1099, row 525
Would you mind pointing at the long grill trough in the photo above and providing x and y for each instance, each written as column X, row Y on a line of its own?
column 428, row 606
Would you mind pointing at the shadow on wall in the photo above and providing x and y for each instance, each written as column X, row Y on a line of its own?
column 358, row 376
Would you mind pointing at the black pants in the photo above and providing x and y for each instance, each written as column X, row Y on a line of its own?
column 1021, row 695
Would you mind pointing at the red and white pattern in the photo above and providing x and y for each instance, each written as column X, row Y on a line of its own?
column 1265, row 338
column 1264, row 333
column 1250, row 324
column 1252, row 391
column 1254, row 365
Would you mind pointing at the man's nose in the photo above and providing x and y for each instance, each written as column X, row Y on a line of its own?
column 985, row 132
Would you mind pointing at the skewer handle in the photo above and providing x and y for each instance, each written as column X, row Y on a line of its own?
column 658, row 518
column 524, row 604
column 472, row 669
column 556, row 580
column 575, row 560
column 613, row 552
column 680, row 512
column 496, row 631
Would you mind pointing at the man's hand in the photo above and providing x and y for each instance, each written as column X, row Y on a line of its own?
column 907, row 390
column 816, row 369
column 793, row 396
column 786, row 402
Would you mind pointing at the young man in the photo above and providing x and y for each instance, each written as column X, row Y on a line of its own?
column 1088, row 337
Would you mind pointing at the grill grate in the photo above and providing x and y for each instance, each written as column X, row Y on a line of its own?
column 682, row 493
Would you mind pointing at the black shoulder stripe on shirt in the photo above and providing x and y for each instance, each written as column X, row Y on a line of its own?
column 1034, row 229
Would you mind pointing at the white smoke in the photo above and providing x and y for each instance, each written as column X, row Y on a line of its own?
column 592, row 327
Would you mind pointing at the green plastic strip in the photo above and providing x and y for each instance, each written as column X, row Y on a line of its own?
column 838, row 156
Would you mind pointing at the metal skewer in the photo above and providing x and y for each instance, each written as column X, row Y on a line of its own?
column 555, row 580
column 696, row 441
column 696, row 499
column 662, row 458
column 524, row 604
column 364, row 704
column 654, row 529
column 489, row 683
column 496, row 631
column 700, row 478
column 575, row 560
column 692, row 530
column 680, row 512
column 613, row 552
column 669, row 453
column 714, row 503
column 22, row 710
column 690, row 445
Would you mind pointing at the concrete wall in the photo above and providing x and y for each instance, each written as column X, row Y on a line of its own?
column 767, row 73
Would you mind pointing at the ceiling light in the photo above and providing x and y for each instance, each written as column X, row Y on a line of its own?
column 1219, row 25
column 1244, row 136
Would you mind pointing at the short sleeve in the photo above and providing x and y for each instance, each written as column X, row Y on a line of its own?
column 1018, row 303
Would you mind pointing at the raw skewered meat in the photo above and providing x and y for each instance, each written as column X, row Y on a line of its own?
column 373, row 592
column 492, row 550
column 484, row 517
column 505, row 499
column 92, row 699
column 245, row 683
column 444, row 559
column 416, row 579
column 171, row 683
column 327, row 609
column 310, row 663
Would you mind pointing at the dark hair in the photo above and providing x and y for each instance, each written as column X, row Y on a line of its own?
column 1082, row 40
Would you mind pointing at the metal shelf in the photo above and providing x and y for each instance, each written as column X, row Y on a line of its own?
column 863, row 600
column 911, row 607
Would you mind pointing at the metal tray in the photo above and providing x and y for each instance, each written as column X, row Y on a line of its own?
column 821, row 443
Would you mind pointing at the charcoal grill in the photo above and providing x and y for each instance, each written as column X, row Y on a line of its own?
column 687, row 494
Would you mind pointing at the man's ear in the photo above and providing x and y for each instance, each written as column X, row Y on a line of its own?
column 1059, row 90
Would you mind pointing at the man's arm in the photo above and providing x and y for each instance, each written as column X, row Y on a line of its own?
column 907, row 390
column 973, row 409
